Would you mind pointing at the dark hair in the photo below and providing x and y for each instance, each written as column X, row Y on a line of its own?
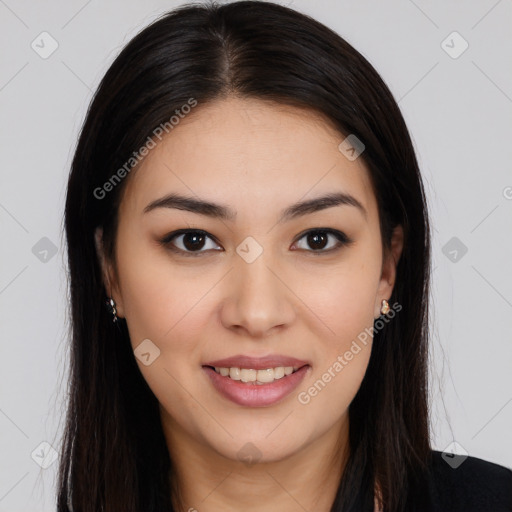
column 114, row 456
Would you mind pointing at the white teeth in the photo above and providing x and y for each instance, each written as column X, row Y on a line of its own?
column 279, row 372
column 265, row 375
column 248, row 375
column 234, row 373
column 252, row 376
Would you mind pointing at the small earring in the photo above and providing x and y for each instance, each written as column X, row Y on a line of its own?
column 384, row 307
column 111, row 308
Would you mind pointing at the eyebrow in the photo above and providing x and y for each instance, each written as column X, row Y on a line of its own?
column 219, row 211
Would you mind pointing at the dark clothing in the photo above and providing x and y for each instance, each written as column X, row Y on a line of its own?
column 475, row 485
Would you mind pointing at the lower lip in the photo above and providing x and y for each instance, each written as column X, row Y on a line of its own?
column 255, row 395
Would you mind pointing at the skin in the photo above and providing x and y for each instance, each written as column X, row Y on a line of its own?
column 257, row 158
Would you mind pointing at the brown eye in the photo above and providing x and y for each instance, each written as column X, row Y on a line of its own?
column 188, row 242
column 324, row 240
column 193, row 241
column 317, row 240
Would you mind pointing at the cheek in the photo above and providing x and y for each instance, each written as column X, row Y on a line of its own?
column 342, row 298
column 342, row 360
column 165, row 305
column 167, row 312
column 157, row 297
column 344, row 307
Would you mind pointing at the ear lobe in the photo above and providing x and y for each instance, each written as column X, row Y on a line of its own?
column 109, row 281
column 390, row 263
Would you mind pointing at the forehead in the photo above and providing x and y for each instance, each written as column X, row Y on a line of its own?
column 248, row 152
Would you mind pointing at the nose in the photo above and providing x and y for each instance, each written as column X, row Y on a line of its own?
column 258, row 299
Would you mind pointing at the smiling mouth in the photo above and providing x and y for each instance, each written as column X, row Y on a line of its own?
column 250, row 387
column 252, row 376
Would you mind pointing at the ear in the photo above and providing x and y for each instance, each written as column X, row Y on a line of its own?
column 109, row 277
column 388, row 275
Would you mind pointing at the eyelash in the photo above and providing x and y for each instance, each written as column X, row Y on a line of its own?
column 343, row 240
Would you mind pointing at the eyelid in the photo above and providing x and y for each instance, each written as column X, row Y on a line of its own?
column 341, row 237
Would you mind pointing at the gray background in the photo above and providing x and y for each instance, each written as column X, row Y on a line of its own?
column 458, row 111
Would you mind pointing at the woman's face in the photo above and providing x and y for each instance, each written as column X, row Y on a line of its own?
column 252, row 283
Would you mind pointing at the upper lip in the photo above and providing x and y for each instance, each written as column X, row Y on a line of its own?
column 257, row 363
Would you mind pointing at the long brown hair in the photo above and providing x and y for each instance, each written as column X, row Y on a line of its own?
column 114, row 456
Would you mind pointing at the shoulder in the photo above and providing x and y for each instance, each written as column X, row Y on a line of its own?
column 469, row 484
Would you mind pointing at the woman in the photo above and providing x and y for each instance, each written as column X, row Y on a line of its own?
column 245, row 197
